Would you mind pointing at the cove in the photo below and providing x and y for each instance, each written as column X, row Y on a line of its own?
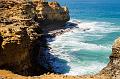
column 86, row 48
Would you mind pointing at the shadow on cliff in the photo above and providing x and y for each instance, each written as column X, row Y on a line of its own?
column 51, row 62
column 48, row 26
column 43, row 61
column 59, row 66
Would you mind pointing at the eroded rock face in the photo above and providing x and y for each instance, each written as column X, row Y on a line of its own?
column 113, row 68
column 17, row 31
column 52, row 11
column 22, row 40
column 21, row 36
column 51, row 15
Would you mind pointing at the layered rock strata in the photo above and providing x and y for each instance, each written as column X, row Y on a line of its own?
column 22, row 39
column 23, row 27
column 113, row 67
column 111, row 71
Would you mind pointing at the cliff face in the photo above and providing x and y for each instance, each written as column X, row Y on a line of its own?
column 111, row 71
column 113, row 68
column 21, row 36
column 22, row 40
column 51, row 15
column 18, row 32
column 52, row 11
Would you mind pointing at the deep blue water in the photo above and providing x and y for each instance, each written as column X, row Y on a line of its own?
column 86, row 49
column 94, row 9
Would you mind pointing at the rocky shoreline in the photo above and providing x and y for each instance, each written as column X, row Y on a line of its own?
column 24, row 27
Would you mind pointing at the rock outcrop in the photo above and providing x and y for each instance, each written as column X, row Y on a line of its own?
column 23, row 28
column 111, row 71
column 51, row 15
column 51, row 11
column 22, row 38
column 18, row 33
column 113, row 67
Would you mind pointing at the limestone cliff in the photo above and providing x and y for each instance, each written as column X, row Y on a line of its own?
column 113, row 68
column 51, row 11
column 23, row 28
column 111, row 71
column 51, row 15
column 21, row 36
column 18, row 32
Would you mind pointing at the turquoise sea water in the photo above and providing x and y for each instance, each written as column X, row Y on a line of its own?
column 86, row 49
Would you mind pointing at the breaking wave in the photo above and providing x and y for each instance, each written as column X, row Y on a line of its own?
column 86, row 48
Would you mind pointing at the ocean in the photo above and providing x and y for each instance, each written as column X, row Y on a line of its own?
column 86, row 49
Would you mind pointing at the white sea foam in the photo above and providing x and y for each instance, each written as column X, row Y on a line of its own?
column 86, row 36
column 76, row 45
column 92, row 68
column 96, row 27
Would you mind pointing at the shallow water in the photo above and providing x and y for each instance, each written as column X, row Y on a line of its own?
column 86, row 49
